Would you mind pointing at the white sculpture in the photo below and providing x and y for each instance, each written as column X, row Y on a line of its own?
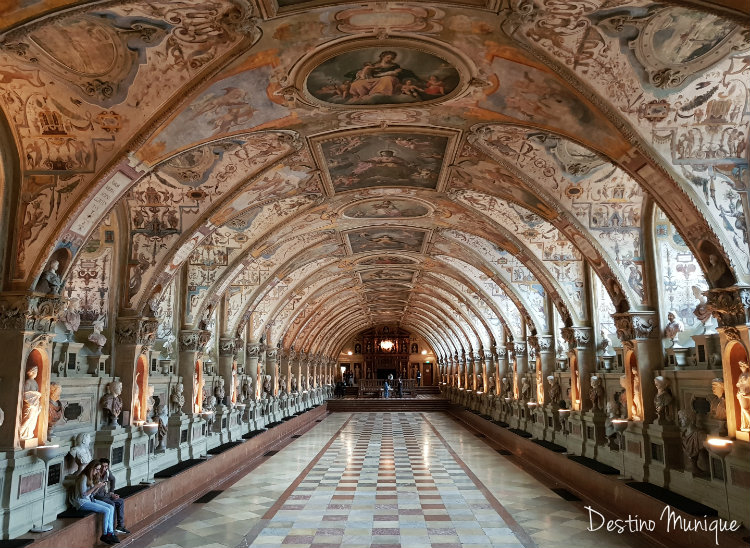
column 32, row 404
column 81, row 451
column 55, row 409
column 96, row 337
column 605, row 343
column 743, row 396
column 702, row 312
column 50, row 281
column 177, row 398
column 71, row 317
column 673, row 328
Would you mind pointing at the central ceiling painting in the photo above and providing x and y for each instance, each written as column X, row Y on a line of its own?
column 401, row 159
column 382, row 76
column 391, row 239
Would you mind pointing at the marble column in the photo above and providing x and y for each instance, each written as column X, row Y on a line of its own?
column 27, row 323
column 252, row 356
column 502, row 367
column 520, row 354
column 489, row 371
column 133, row 338
column 547, row 357
column 580, row 341
column 272, row 368
column 192, row 346
column 227, row 355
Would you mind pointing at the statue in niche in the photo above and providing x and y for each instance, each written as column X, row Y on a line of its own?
column 743, row 396
column 715, row 270
column 597, row 395
column 696, row 458
column 702, row 311
column 161, row 417
column 267, row 385
column 719, row 404
column 282, row 384
column 111, row 403
column 294, row 384
column 605, row 343
column 55, row 409
column 96, row 337
column 71, row 318
column 50, row 281
column 539, row 386
column 673, row 328
column 137, row 398
column 219, row 392
column 246, row 391
column 80, row 453
column 555, row 390
column 506, row 387
column 525, row 389
column 233, row 397
column 32, row 404
column 492, row 389
column 663, row 401
column 177, row 398
column 480, row 383
column 636, row 410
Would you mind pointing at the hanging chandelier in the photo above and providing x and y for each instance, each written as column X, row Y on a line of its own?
column 386, row 345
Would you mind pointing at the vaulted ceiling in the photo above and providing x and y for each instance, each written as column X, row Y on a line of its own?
column 316, row 168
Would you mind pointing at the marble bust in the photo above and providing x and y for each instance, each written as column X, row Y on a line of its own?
column 673, row 328
column 50, row 281
column 111, row 404
column 81, row 450
column 55, row 409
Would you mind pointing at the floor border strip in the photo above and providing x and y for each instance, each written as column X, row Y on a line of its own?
column 520, row 533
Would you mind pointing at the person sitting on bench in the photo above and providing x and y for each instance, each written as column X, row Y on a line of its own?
column 107, row 494
column 87, row 483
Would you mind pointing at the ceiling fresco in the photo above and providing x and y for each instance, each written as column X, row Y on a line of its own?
column 472, row 170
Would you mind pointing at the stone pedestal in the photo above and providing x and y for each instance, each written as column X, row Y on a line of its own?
column 593, row 430
column 665, row 452
column 220, row 426
column 68, row 361
column 553, row 432
column 576, row 439
column 637, row 452
column 708, row 350
column 538, row 423
column 137, row 453
column 178, row 434
column 97, row 364
column 110, row 443
column 677, row 357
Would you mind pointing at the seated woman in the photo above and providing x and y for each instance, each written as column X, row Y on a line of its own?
column 87, row 483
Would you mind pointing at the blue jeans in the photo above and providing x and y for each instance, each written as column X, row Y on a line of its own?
column 107, row 511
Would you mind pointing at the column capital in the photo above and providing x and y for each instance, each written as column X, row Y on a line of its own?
column 272, row 353
column 501, row 352
column 136, row 331
column 577, row 338
column 546, row 343
column 730, row 305
column 636, row 326
column 254, row 349
column 194, row 340
column 519, row 348
column 229, row 346
column 30, row 311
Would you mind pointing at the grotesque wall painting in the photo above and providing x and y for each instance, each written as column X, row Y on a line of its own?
column 396, row 239
column 382, row 76
column 384, row 159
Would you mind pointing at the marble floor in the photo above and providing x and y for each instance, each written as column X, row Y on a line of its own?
column 384, row 480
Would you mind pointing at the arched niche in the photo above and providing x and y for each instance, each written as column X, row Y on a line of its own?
column 140, row 384
column 198, row 387
column 734, row 353
column 635, row 395
column 539, row 381
column 32, row 423
column 575, row 382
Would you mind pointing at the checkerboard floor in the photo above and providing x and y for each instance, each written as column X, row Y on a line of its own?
column 384, row 480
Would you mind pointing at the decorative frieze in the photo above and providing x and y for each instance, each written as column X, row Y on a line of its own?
column 636, row 326
column 29, row 312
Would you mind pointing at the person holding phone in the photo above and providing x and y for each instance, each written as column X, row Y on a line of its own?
column 87, row 483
